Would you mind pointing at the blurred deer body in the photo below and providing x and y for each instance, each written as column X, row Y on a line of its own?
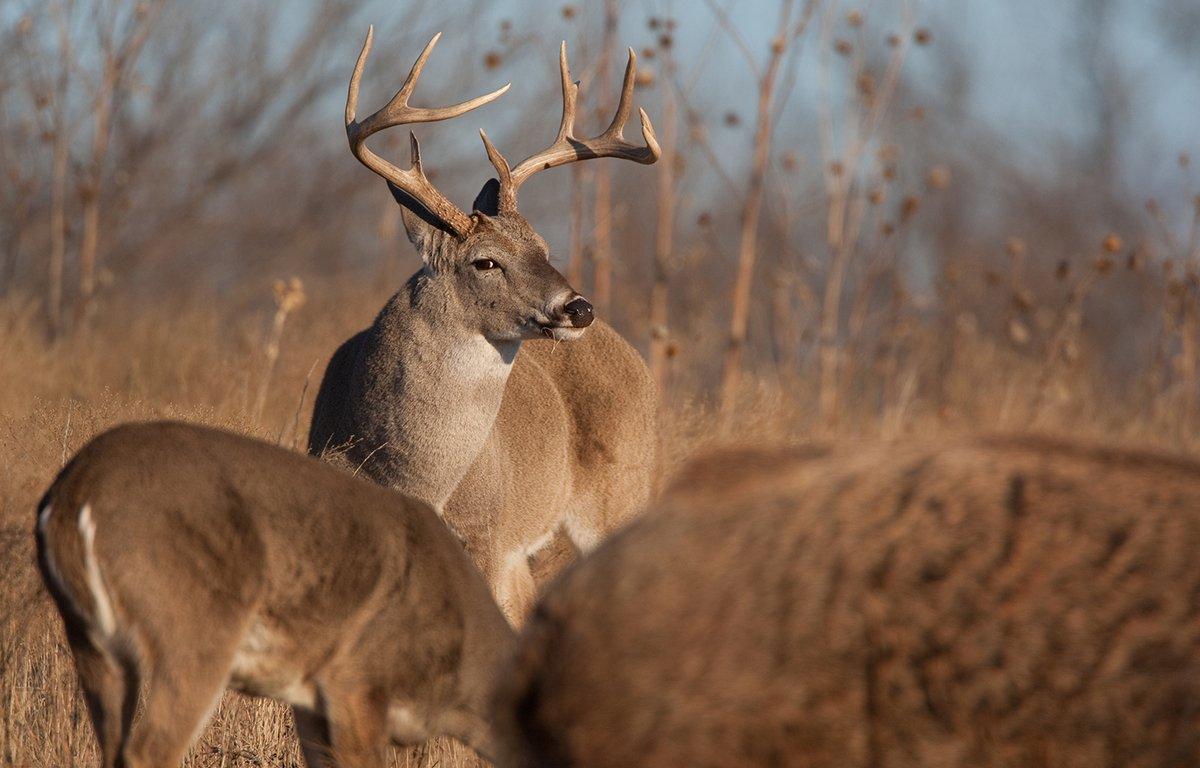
column 992, row 601
column 185, row 560
column 440, row 397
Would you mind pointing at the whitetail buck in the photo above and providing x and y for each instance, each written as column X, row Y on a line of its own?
column 185, row 560
column 441, row 399
column 985, row 602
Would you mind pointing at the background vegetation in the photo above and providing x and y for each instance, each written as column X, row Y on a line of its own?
column 871, row 219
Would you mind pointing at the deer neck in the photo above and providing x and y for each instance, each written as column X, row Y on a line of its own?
column 445, row 382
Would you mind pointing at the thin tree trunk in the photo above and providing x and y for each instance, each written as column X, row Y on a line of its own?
column 60, row 158
column 89, row 242
column 751, row 208
column 664, row 239
column 116, row 64
column 575, row 246
column 602, row 253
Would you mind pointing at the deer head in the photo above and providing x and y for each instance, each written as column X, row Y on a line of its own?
column 493, row 266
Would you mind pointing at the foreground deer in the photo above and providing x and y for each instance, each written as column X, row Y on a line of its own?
column 990, row 602
column 187, row 560
column 441, row 399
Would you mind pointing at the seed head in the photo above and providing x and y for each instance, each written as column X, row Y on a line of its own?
column 909, row 206
column 1014, row 247
column 732, row 119
column 854, row 18
column 876, row 196
column 568, row 12
column 492, row 59
column 1063, row 270
column 938, row 178
column 865, row 82
column 1018, row 332
column 1184, row 159
column 843, row 47
column 1112, row 243
column 922, row 36
column 289, row 295
column 893, row 40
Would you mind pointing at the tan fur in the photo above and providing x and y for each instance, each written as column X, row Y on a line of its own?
column 185, row 559
column 989, row 602
column 452, row 396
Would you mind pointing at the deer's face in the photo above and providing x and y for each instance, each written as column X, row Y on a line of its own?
column 503, row 285
column 504, row 278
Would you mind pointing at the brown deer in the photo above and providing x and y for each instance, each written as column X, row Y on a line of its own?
column 185, row 560
column 987, row 601
column 441, row 397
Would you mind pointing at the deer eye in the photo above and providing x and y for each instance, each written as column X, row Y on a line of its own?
column 482, row 264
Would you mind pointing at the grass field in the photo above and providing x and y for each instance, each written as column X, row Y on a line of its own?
column 209, row 362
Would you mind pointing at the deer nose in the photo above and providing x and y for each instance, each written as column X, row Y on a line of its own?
column 580, row 312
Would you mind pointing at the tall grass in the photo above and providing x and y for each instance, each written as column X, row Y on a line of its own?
column 210, row 361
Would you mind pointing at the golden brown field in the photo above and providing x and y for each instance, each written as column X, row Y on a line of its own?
column 839, row 253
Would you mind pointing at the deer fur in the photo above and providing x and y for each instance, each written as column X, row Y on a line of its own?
column 984, row 602
column 185, row 560
column 455, row 396
column 448, row 398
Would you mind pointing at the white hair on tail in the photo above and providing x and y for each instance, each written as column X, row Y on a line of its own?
column 43, row 525
column 105, row 617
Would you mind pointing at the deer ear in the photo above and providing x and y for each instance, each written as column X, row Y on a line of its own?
column 487, row 201
column 419, row 223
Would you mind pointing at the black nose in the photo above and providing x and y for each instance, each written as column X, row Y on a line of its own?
column 580, row 311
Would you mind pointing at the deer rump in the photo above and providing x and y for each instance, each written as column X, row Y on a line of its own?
column 1007, row 601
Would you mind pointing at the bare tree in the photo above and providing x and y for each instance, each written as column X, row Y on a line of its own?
column 664, row 239
column 121, row 33
column 602, row 249
column 786, row 32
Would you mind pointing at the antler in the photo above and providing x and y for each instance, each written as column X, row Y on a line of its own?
column 412, row 182
column 567, row 148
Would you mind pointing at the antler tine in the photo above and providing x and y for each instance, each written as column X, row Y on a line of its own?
column 626, row 101
column 397, row 111
column 567, row 148
column 570, row 95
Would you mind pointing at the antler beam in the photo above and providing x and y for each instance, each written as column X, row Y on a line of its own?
column 413, row 181
column 567, row 148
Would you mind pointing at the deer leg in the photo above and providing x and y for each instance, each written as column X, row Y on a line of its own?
column 183, row 690
column 111, row 698
column 516, row 589
column 585, row 531
column 358, row 734
column 313, row 731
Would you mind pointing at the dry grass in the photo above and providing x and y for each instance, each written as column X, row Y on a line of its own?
column 208, row 362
